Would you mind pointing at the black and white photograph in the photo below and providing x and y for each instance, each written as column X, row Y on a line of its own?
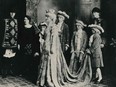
column 57, row 43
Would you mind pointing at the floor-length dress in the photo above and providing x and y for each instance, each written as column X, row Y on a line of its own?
column 78, row 47
column 29, row 45
column 53, row 70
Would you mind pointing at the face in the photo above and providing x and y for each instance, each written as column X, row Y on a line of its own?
column 26, row 20
column 96, row 15
column 61, row 18
column 93, row 31
column 43, row 28
column 12, row 14
column 47, row 18
column 79, row 26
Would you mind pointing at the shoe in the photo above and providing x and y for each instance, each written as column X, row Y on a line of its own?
column 11, row 73
column 4, row 76
column 99, row 82
column 95, row 79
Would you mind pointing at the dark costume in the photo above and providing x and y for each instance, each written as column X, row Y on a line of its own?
column 29, row 45
column 64, row 39
column 9, row 45
column 64, row 36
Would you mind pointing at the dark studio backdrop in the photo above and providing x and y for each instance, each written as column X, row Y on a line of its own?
column 17, row 5
column 109, row 15
column 75, row 8
column 5, row 7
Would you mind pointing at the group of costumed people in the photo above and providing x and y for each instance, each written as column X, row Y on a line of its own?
column 85, row 52
column 51, row 45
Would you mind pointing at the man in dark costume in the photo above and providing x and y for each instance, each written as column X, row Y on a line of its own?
column 9, row 44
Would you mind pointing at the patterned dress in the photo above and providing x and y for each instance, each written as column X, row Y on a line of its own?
column 11, row 33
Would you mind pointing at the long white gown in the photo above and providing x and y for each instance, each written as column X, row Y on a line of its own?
column 53, row 70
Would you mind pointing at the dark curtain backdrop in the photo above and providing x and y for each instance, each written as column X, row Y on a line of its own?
column 5, row 7
column 18, row 5
column 109, row 15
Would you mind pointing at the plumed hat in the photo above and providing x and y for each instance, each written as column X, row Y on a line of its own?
column 81, row 22
column 63, row 14
column 93, row 26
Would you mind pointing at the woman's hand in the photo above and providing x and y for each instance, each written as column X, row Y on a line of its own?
column 88, row 51
column 102, row 45
column 81, row 57
column 66, row 47
column 19, row 47
column 36, row 54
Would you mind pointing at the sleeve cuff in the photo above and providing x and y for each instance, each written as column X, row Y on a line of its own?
column 82, row 52
column 67, row 45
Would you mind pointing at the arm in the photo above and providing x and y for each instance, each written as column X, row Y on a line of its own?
column 72, row 46
column 53, row 40
column 95, row 43
column 36, row 44
column 67, row 35
column 84, row 42
column 84, row 45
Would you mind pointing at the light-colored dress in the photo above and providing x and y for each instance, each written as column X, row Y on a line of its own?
column 53, row 70
column 78, row 47
column 96, row 52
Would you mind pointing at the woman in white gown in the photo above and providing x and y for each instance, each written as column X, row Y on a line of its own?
column 53, row 70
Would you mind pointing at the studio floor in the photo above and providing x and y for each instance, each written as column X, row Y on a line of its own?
column 15, row 82
column 10, row 81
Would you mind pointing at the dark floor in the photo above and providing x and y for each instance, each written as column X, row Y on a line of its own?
column 108, row 81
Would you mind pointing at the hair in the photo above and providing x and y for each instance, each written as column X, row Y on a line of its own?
column 28, row 17
column 40, row 26
column 96, row 9
column 12, row 9
column 51, row 14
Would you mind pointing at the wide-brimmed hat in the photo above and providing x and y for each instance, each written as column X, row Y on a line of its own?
column 93, row 26
column 63, row 14
column 81, row 22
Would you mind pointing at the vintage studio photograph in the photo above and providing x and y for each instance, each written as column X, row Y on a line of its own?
column 57, row 43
